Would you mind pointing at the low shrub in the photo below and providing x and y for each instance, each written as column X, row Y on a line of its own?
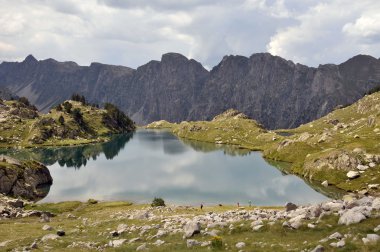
column 157, row 202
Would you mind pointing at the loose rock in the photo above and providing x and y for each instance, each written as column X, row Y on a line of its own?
column 353, row 174
column 191, row 243
column 49, row 237
column 318, row 248
column 240, row 245
column 371, row 238
column 142, row 247
column 47, row 228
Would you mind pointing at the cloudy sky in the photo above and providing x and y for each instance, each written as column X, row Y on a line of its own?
column 131, row 33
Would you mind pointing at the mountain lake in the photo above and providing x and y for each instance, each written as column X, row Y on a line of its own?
column 154, row 163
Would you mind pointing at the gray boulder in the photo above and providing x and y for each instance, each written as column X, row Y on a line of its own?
column 27, row 179
column 191, row 228
column 351, row 216
column 318, row 248
column 336, row 235
column 240, row 245
column 117, row 243
column 376, row 204
column 49, row 237
column 142, row 247
column 192, row 243
column 353, row 174
column 371, row 238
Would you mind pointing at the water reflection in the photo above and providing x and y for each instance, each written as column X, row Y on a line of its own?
column 209, row 147
column 76, row 156
column 156, row 163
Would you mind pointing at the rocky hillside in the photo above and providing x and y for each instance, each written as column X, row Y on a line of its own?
column 274, row 91
column 340, row 149
column 350, row 224
column 27, row 179
column 71, row 122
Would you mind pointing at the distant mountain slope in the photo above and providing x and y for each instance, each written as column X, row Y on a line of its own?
column 5, row 94
column 274, row 91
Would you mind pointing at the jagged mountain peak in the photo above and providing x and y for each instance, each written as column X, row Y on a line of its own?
column 30, row 59
column 173, row 56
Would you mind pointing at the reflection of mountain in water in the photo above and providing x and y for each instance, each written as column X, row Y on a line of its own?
column 230, row 150
column 72, row 156
column 283, row 167
column 157, row 139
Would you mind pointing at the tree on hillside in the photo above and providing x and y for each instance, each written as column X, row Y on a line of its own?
column 61, row 120
column 77, row 116
column 25, row 103
column 116, row 119
column 79, row 98
column 59, row 107
column 68, row 106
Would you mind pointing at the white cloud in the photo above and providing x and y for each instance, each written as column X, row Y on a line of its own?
column 133, row 32
column 11, row 23
column 367, row 25
column 4, row 47
column 324, row 33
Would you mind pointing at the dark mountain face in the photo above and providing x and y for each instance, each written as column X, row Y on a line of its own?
column 5, row 94
column 272, row 90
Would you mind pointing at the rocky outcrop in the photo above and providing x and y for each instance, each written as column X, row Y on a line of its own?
column 353, row 162
column 274, row 91
column 27, row 179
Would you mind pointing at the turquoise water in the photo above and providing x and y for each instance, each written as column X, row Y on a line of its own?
column 154, row 163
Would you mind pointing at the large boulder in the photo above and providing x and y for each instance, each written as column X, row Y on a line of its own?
column 354, row 215
column 26, row 179
column 191, row 228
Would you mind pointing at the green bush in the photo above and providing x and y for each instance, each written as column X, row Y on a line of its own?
column 216, row 242
column 61, row 120
column 92, row 201
column 59, row 107
column 157, row 202
column 79, row 98
column 68, row 106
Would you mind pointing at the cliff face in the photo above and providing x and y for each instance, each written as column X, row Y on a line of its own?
column 272, row 90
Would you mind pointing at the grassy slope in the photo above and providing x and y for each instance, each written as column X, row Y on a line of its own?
column 343, row 130
column 19, row 132
column 96, row 228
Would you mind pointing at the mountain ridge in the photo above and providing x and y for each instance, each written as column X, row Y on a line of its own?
column 276, row 92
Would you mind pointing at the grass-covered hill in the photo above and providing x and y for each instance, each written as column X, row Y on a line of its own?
column 69, row 123
column 327, row 149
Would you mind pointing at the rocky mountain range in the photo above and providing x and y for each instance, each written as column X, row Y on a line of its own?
column 276, row 92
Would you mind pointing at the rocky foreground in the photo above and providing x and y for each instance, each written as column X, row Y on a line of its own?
column 351, row 224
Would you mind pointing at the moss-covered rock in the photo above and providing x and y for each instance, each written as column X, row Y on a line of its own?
column 27, row 179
